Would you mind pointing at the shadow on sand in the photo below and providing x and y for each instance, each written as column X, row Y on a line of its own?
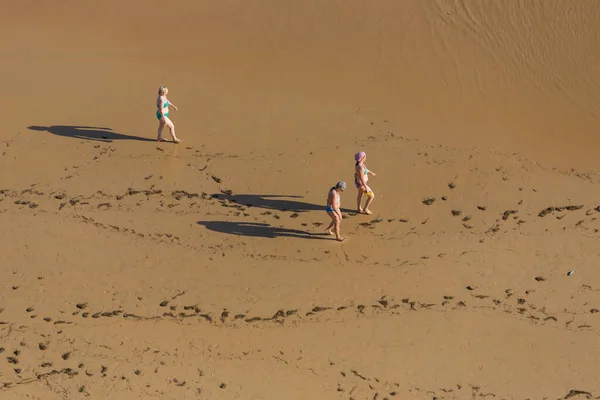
column 87, row 133
column 274, row 202
column 257, row 229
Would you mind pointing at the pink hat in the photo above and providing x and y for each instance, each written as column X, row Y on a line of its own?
column 360, row 156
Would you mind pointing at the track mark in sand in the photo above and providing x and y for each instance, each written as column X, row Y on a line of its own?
column 316, row 310
column 181, row 293
column 359, row 375
column 508, row 213
column 550, row 210
column 573, row 393
column 359, row 385
column 160, row 237
column 146, row 192
column 80, row 200
column 26, row 203
column 179, row 194
column 371, row 224
column 382, row 306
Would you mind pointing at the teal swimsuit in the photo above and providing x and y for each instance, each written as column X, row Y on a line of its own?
column 356, row 181
column 158, row 115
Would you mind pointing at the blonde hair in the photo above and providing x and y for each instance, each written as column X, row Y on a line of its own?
column 161, row 90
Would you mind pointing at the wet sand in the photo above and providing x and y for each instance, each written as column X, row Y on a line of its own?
column 136, row 269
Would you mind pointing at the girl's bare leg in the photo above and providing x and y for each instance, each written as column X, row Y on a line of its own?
column 369, row 201
column 328, row 229
column 332, row 224
column 337, row 231
column 359, row 200
column 161, row 125
column 169, row 123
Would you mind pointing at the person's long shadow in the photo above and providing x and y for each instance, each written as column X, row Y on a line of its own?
column 258, row 229
column 274, row 202
column 87, row 133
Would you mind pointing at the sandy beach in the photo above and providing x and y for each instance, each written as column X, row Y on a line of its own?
column 133, row 269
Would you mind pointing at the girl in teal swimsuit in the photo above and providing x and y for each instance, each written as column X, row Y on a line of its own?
column 162, row 113
column 361, row 177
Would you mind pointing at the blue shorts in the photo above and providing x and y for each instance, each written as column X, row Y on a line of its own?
column 328, row 209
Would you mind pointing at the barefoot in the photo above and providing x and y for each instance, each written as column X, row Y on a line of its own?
column 340, row 239
column 160, row 139
column 359, row 210
column 367, row 211
column 329, row 231
column 177, row 140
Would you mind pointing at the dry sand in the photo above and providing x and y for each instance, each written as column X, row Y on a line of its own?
column 134, row 270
